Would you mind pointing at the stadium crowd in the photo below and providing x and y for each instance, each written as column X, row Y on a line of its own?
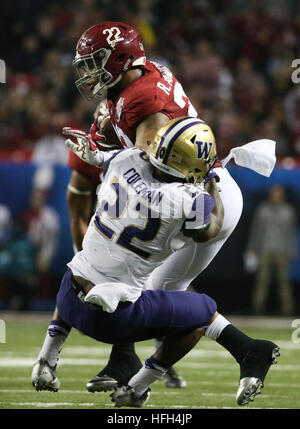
column 230, row 56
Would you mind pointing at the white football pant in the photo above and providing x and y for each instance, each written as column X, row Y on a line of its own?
column 180, row 268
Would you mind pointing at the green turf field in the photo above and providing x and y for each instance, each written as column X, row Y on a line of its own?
column 210, row 371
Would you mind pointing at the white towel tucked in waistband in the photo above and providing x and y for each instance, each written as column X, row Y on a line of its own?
column 258, row 155
column 108, row 295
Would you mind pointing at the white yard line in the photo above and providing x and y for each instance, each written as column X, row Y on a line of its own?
column 28, row 362
column 48, row 404
column 171, row 393
column 207, row 407
column 205, row 349
column 165, row 393
column 190, row 383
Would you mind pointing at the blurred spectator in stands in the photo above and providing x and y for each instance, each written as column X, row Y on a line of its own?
column 271, row 248
column 42, row 226
column 28, row 245
column 250, row 89
column 5, row 235
column 228, row 51
column 50, row 149
column 18, row 268
column 292, row 110
column 5, row 224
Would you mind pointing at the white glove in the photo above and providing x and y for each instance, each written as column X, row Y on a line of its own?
column 84, row 146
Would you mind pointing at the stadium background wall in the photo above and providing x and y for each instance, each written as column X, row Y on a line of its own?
column 225, row 279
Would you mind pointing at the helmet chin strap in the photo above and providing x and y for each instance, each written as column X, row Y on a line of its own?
column 100, row 94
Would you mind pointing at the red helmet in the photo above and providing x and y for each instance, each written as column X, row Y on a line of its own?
column 103, row 54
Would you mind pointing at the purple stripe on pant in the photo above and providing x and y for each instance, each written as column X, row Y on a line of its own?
column 155, row 313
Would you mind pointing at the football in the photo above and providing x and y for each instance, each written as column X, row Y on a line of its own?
column 112, row 140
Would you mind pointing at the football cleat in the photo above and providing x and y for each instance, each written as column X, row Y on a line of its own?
column 249, row 387
column 44, row 377
column 118, row 371
column 254, row 368
column 173, row 380
column 125, row 396
column 101, row 383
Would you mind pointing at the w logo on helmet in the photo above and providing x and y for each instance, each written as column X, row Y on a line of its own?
column 204, row 149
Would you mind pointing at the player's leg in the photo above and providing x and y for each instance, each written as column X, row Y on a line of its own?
column 184, row 265
column 122, row 364
column 171, row 378
column 82, row 317
column 182, row 333
column 43, row 375
column 253, row 356
column 173, row 348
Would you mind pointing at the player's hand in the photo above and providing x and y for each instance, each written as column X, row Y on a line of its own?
column 96, row 130
column 83, row 146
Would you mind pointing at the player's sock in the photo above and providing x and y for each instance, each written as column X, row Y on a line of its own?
column 123, row 363
column 215, row 329
column 151, row 371
column 56, row 335
column 231, row 338
column 123, row 348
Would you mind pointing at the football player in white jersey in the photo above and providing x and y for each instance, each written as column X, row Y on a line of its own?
column 150, row 206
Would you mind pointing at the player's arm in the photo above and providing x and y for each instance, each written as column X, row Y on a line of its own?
column 80, row 198
column 147, row 129
column 216, row 217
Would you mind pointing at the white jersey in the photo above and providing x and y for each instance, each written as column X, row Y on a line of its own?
column 138, row 223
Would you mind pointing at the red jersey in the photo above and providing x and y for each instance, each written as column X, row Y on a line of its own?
column 156, row 91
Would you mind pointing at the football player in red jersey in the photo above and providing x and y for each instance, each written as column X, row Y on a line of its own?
column 142, row 96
